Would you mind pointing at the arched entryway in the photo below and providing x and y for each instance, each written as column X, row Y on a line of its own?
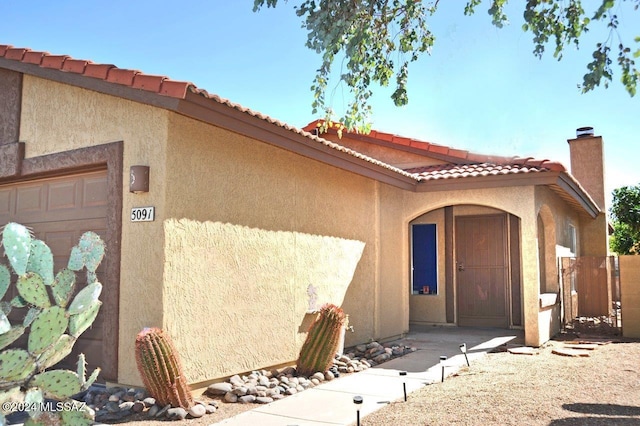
column 475, row 251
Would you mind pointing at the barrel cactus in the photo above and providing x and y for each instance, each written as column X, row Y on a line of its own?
column 161, row 370
column 53, row 322
column 319, row 349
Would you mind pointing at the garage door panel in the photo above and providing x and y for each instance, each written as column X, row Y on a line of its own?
column 62, row 196
column 5, row 202
column 95, row 191
column 29, row 200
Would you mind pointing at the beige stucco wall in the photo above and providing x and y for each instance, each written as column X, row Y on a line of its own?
column 630, row 295
column 251, row 230
column 57, row 118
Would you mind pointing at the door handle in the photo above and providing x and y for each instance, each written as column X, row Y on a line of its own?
column 460, row 266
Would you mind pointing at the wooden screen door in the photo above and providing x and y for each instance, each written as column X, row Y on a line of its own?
column 481, row 271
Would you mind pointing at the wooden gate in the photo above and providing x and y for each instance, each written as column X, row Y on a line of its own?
column 589, row 286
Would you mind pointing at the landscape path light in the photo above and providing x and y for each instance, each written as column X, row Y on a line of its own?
column 442, row 360
column 404, row 384
column 357, row 400
column 463, row 349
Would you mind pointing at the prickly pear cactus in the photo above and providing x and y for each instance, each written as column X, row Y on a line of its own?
column 54, row 321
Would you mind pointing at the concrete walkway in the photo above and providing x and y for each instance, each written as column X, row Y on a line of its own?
column 331, row 403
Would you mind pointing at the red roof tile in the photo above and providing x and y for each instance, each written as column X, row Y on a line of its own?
column 122, row 76
column 98, row 70
column 74, row 65
column 53, row 61
column 33, row 57
column 457, row 156
column 152, row 83
column 15, row 54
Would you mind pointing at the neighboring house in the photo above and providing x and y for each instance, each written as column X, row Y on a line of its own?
column 256, row 223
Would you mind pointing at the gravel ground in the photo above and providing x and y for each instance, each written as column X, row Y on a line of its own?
column 543, row 389
column 506, row 389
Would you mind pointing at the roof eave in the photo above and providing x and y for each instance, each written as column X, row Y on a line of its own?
column 287, row 137
column 571, row 187
column 560, row 182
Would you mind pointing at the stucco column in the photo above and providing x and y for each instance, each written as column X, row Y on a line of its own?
column 530, row 281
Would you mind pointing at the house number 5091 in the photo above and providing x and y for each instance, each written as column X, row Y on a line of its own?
column 143, row 214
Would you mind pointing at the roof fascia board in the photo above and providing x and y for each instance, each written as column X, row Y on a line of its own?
column 480, row 182
column 90, row 83
column 573, row 189
column 227, row 117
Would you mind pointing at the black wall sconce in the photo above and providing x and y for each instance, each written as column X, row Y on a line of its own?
column 139, row 179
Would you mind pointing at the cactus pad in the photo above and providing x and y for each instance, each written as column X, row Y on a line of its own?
column 92, row 248
column 56, row 353
column 41, row 261
column 32, row 289
column 11, row 336
column 47, row 328
column 16, row 241
column 34, row 398
column 32, row 313
column 5, row 325
column 13, row 394
column 85, row 298
column 18, row 302
column 92, row 378
column 80, row 322
column 88, row 253
column 63, row 286
column 57, row 384
column 75, row 259
column 5, row 280
column 5, row 307
column 15, row 365
column 79, row 416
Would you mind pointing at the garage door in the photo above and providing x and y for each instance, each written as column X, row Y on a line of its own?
column 58, row 210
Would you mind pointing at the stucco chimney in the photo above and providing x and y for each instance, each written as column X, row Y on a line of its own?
column 587, row 163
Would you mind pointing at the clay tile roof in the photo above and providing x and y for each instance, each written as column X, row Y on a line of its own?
column 454, row 171
column 132, row 78
column 465, row 163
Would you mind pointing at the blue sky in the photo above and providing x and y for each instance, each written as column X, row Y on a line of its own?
column 481, row 89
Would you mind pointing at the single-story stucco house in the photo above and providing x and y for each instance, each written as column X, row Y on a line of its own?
column 229, row 229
